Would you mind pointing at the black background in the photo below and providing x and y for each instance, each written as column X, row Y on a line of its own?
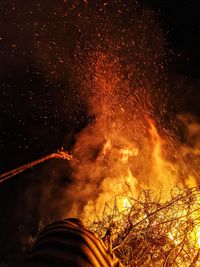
column 39, row 114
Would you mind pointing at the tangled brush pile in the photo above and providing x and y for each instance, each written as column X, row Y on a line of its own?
column 152, row 231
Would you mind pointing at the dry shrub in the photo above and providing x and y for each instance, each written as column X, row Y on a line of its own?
column 154, row 232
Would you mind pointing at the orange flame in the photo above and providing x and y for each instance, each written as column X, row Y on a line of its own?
column 123, row 151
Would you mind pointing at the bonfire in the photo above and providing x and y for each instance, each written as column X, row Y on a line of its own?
column 149, row 232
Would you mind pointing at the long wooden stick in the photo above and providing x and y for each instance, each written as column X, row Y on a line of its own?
column 60, row 154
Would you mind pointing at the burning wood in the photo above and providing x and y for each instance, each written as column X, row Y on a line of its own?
column 153, row 232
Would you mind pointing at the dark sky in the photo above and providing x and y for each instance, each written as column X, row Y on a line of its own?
column 180, row 20
column 36, row 109
column 39, row 111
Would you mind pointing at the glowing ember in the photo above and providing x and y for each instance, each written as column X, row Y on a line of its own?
column 123, row 204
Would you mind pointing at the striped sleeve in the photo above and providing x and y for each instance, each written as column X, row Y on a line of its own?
column 68, row 243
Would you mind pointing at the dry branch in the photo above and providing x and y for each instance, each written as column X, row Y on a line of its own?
column 154, row 232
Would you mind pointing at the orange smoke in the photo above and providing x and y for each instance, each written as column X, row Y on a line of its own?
column 124, row 150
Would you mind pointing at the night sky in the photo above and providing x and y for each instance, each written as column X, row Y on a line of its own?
column 41, row 109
